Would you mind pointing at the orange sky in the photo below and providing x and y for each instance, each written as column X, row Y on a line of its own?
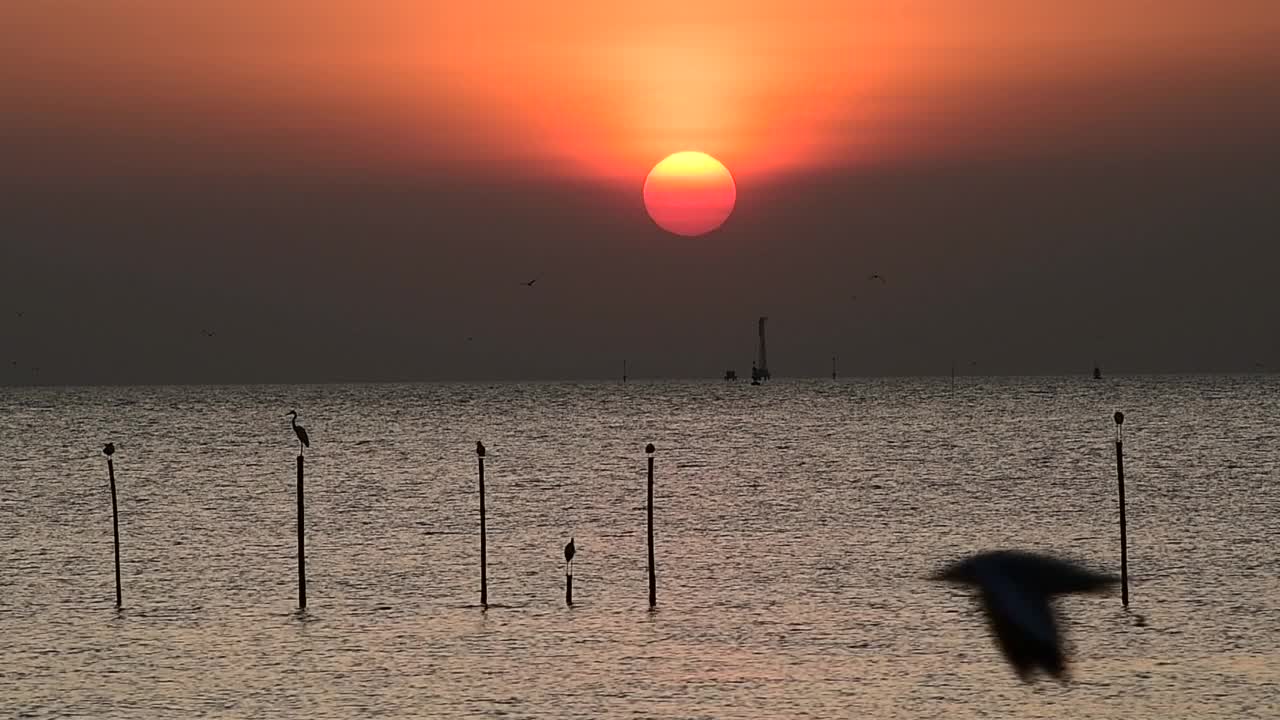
column 592, row 89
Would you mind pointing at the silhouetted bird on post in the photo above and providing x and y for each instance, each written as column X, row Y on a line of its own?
column 1017, row 589
column 298, row 430
column 479, row 448
column 569, row 552
column 109, row 449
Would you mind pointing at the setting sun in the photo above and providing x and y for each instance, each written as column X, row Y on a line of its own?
column 689, row 193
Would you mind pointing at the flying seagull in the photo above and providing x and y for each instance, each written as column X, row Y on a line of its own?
column 877, row 276
column 531, row 282
column 1017, row 590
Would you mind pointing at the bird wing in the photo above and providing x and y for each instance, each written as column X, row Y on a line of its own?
column 1023, row 624
column 1053, row 576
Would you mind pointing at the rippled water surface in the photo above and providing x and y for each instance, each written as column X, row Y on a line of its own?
column 795, row 524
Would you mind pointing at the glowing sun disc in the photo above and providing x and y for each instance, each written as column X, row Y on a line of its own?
column 689, row 193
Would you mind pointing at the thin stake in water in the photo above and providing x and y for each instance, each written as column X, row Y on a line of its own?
column 653, row 577
column 484, row 580
column 109, row 450
column 1124, row 537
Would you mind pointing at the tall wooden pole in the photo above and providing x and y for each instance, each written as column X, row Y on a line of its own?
column 115, row 518
column 484, row 580
column 1124, row 535
column 302, row 548
column 653, row 577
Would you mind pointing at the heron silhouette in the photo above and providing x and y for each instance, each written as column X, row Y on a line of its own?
column 569, row 552
column 301, row 432
column 1017, row 589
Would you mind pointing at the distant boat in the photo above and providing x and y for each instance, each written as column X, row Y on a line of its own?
column 730, row 375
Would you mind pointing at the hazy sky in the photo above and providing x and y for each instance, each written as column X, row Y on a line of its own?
column 342, row 190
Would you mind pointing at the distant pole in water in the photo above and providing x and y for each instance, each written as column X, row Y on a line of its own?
column 953, row 376
column 484, row 580
column 653, row 577
column 1124, row 540
column 302, row 547
column 569, row 552
column 624, row 371
column 110, row 450
column 833, row 367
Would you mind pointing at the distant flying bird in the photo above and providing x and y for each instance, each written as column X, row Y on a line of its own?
column 479, row 448
column 1017, row 590
column 569, row 552
column 531, row 282
column 109, row 449
column 877, row 276
column 298, row 430
column 207, row 333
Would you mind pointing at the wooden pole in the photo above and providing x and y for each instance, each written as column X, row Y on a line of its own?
column 484, row 580
column 1124, row 538
column 568, row 588
column 302, row 548
column 653, row 578
column 115, row 526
